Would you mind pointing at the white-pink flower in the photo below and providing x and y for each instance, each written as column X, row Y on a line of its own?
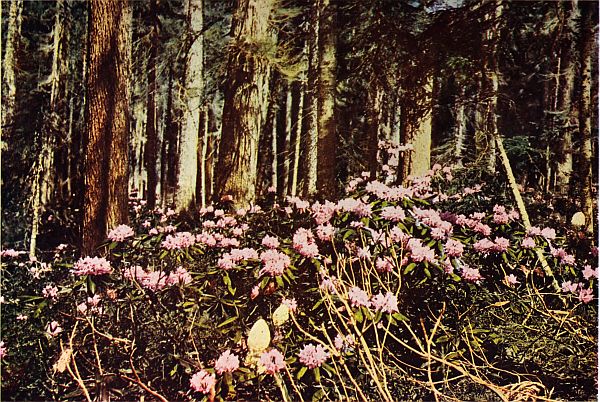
column 387, row 303
column 272, row 361
column 203, row 382
column 358, row 297
column 313, row 356
column 120, row 233
column 227, row 363
column 53, row 328
column 92, row 266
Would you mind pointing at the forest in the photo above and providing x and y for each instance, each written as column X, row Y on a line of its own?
column 290, row 200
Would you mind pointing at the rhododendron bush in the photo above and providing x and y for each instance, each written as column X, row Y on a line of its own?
column 428, row 291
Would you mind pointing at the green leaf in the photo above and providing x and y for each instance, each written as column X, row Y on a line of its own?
column 301, row 372
column 317, row 374
column 227, row 321
column 91, row 285
column 409, row 268
column 358, row 316
column 279, row 281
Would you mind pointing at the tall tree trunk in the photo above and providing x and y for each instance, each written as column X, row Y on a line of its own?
column 194, row 83
column 150, row 151
column 309, row 125
column 284, row 126
column 421, row 134
column 587, row 183
column 460, row 125
column 567, row 109
column 10, row 69
column 327, row 142
column 374, row 103
column 53, row 125
column 106, row 157
column 297, row 101
column 246, row 91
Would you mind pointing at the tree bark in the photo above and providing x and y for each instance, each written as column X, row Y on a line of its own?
column 246, row 91
column 9, row 74
column 309, row 127
column 587, row 183
column 150, row 151
column 297, row 101
column 326, row 128
column 194, row 83
column 106, row 158
column 567, row 109
column 373, row 112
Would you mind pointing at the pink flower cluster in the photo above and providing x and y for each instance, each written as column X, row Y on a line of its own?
column 157, row 280
column 270, row 242
column 322, row 213
column 565, row 258
column 394, row 214
column 385, row 264
column 120, row 233
column 178, row 241
column 272, row 361
column 313, row 356
column 11, row 253
column 50, row 292
column 585, row 295
column 358, row 297
column 343, row 342
column 275, row 262
column 203, row 382
column 304, row 243
column 227, row 363
column 387, row 303
column 234, row 257
column 419, row 252
column 53, row 328
column 387, row 193
column 454, row 248
column 300, row 204
column 434, row 220
column 2, row 350
column 92, row 266
column 325, row 232
column 486, row 246
column 360, row 208
column 470, row 274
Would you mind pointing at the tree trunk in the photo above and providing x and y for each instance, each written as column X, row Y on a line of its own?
column 106, row 157
column 10, row 68
column 246, row 91
column 374, row 101
column 327, row 142
column 150, row 157
column 194, row 84
column 297, row 101
column 309, row 127
column 567, row 109
column 460, row 125
column 284, row 126
column 587, row 183
column 421, row 135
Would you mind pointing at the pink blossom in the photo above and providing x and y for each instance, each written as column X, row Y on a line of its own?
column 180, row 277
column 120, row 233
column 255, row 292
column 569, row 287
column 50, row 292
column 528, row 242
column 325, row 232
column 363, row 253
column 153, row 232
column 483, row 229
column 2, row 350
column 568, row 259
column 11, row 253
column 322, row 213
column 227, row 363
column 291, row 304
column 447, row 266
column 588, row 272
column 454, row 248
column 342, row 342
column 53, row 328
column 206, row 238
column 178, row 241
column 534, row 231
column 438, row 233
column 270, row 242
column 501, row 244
column 398, row 236
column 471, row 274
column 229, row 242
column 558, row 252
column 384, row 264
column 510, row 280
column 549, row 233
column 586, row 295
column 358, row 297
column 275, row 262
column 394, row 214
column 22, row 317
column 313, row 356
column 419, row 252
column 92, row 266
column 203, row 382
column 328, row 285
column 82, row 308
column 387, row 303
column 304, row 243
column 272, row 361
column 484, row 246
